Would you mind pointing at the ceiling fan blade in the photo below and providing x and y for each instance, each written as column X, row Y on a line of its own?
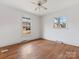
column 36, row 8
column 43, row 1
column 39, row 1
column 33, row 2
column 44, row 7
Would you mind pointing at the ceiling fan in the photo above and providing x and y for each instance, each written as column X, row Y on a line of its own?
column 39, row 4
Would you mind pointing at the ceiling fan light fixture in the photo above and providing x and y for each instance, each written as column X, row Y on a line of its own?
column 39, row 4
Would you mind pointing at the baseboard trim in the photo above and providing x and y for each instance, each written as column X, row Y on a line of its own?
column 27, row 41
column 62, row 42
column 23, row 42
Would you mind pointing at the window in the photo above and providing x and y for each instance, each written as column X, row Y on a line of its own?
column 60, row 22
column 26, row 25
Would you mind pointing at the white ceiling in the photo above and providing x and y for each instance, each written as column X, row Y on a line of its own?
column 52, row 5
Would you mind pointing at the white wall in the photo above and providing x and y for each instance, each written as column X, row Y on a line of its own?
column 10, row 22
column 69, row 35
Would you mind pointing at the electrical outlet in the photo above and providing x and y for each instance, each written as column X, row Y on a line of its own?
column 59, row 42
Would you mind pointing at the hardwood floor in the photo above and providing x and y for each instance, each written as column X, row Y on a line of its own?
column 43, row 49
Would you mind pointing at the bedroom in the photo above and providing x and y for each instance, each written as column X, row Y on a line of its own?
column 12, row 13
